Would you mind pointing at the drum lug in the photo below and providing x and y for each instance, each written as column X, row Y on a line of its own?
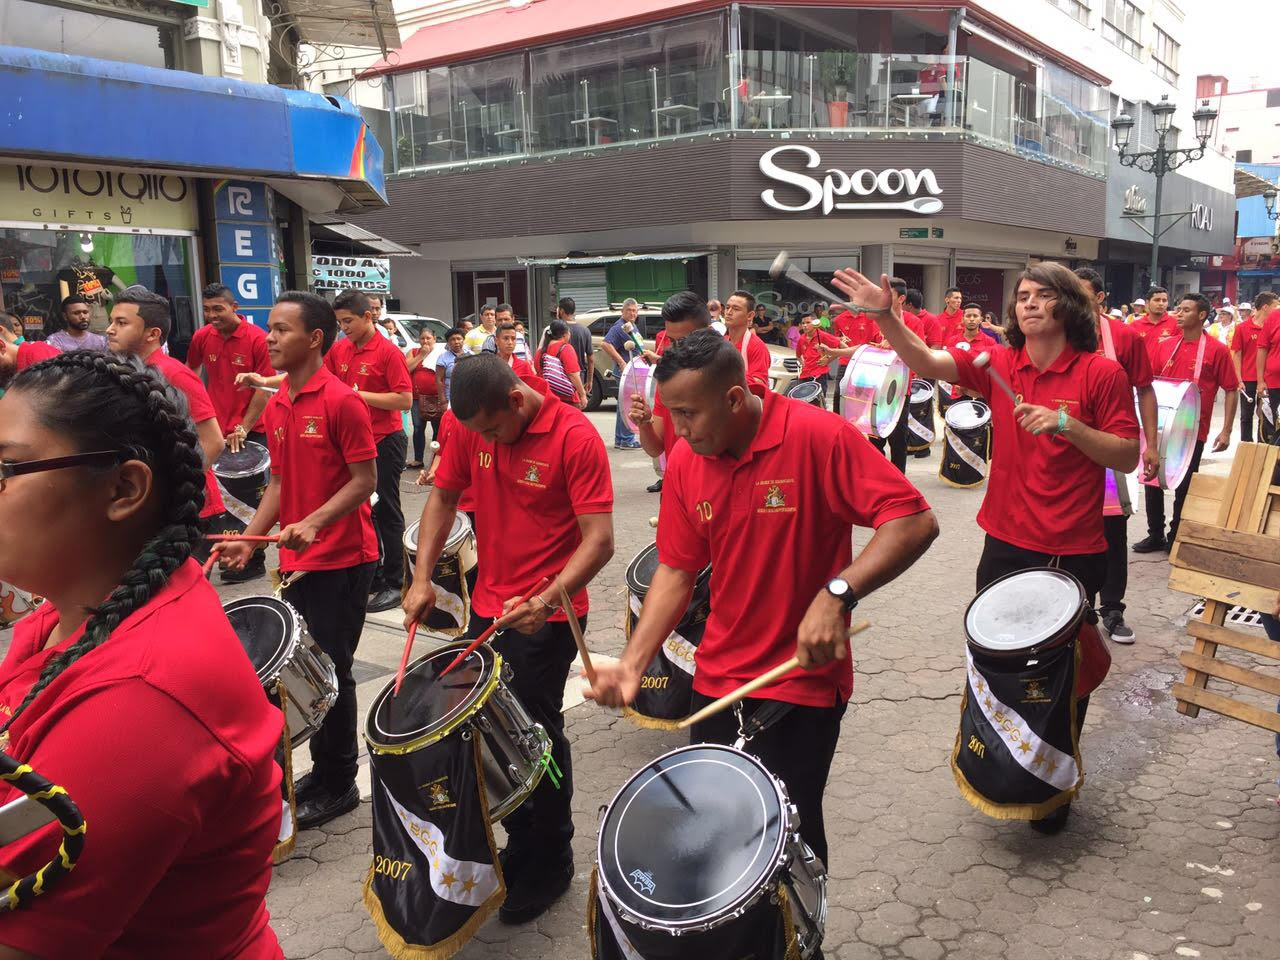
column 482, row 722
column 465, row 733
column 507, row 673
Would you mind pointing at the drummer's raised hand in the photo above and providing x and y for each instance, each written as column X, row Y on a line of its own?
column 617, row 684
column 866, row 296
column 419, row 601
column 823, row 634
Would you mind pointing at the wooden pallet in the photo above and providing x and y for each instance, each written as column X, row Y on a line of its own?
column 1228, row 551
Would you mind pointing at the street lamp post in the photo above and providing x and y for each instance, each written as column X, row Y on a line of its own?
column 1269, row 198
column 1163, row 160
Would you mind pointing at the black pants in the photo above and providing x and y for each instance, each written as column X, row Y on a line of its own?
column 1116, row 581
column 837, row 374
column 1155, row 499
column 797, row 750
column 388, row 517
column 897, row 443
column 332, row 602
column 1248, row 409
column 542, row 827
column 1000, row 558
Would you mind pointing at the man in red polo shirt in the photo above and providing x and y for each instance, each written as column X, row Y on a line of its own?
column 682, row 314
column 1267, row 368
column 853, row 330
column 539, row 475
column 815, row 364
column 1197, row 357
column 373, row 366
column 951, row 319
column 504, row 341
column 140, row 325
column 1244, row 353
column 226, row 346
column 791, row 481
column 1155, row 325
column 16, row 357
column 1071, row 417
column 322, row 475
column 739, row 309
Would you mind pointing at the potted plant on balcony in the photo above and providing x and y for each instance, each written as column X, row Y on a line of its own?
column 835, row 68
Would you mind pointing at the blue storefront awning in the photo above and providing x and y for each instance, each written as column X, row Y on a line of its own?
column 183, row 122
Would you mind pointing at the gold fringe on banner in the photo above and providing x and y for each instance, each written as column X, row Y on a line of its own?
column 592, row 897
column 284, row 849
column 649, row 723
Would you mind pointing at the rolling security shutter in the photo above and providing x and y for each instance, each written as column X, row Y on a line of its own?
column 587, row 285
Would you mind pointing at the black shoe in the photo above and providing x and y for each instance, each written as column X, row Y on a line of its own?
column 323, row 806
column 655, row 487
column 1117, row 629
column 922, row 454
column 1151, row 544
column 530, row 896
column 514, row 865
column 1054, row 822
column 384, row 599
column 305, row 787
column 254, row 569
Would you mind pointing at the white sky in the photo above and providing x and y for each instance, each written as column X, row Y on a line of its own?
column 1232, row 38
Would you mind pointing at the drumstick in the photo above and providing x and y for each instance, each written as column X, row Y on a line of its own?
column 232, row 537
column 983, row 360
column 266, row 389
column 491, row 630
column 576, row 629
column 782, row 266
column 404, row 658
column 751, row 686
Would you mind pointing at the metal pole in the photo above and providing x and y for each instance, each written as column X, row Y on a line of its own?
column 1155, row 221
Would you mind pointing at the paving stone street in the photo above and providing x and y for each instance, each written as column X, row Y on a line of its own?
column 1172, row 849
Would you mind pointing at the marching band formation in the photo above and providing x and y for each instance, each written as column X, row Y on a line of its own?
column 109, row 505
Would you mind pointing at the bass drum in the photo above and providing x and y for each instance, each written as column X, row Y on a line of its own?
column 637, row 377
column 1178, row 424
column 873, row 393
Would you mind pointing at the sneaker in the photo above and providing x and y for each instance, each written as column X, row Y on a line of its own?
column 253, row 569
column 1053, row 823
column 1117, row 629
column 655, row 487
column 323, row 806
column 1151, row 544
column 627, row 446
column 532, row 894
column 385, row 599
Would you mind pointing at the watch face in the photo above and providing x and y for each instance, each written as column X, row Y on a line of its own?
column 839, row 587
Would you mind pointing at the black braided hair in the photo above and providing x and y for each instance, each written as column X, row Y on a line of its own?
column 109, row 402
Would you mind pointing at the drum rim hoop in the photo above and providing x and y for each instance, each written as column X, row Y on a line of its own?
column 263, row 465
column 1067, row 629
column 435, row 736
column 292, row 639
column 955, row 405
column 460, row 520
column 631, row 582
column 743, row 902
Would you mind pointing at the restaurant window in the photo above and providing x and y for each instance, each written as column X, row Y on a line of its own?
column 665, row 80
column 1164, row 54
column 84, row 33
column 1122, row 25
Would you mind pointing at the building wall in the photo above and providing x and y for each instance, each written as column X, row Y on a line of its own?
column 1248, row 124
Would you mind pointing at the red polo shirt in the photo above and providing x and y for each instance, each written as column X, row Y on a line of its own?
column 1152, row 333
column 521, row 366
column 377, row 367
column 857, row 328
column 811, row 364
column 449, row 428
column 201, row 408
column 33, row 351
column 756, row 355
column 1244, row 341
column 1043, row 493
column 312, row 439
column 775, row 527
column 245, row 351
column 529, row 495
column 952, row 324
column 163, row 738
column 1130, row 353
column 934, row 335
column 1269, row 340
column 1176, row 360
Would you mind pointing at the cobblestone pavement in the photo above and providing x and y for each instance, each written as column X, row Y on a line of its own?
column 1172, row 850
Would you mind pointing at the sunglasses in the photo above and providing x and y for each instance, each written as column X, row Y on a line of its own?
column 10, row 469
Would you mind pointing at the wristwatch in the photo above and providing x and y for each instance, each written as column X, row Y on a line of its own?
column 840, row 589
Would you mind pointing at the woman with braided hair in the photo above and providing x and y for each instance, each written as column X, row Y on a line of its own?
column 128, row 686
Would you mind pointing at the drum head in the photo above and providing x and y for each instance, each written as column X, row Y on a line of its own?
column 1023, row 610
column 637, row 377
column 921, row 392
column 428, row 708
column 641, row 570
column 1179, row 409
column 693, row 835
column 266, row 628
column 806, row 391
column 252, row 460
column 461, row 529
column 965, row 415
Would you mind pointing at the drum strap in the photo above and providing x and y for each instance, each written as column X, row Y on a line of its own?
column 1195, row 375
column 762, row 718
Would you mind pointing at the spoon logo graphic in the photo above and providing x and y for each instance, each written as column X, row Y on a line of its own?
column 919, row 189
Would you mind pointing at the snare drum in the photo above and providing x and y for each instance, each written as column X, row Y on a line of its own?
column 15, row 603
column 281, row 650
column 920, row 416
column 966, row 449
column 808, row 391
column 1178, row 406
column 1266, row 421
column 666, row 689
column 874, row 390
column 637, row 377
column 475, row 701
column 454, row 576
column 703, row 845
column 244, row 475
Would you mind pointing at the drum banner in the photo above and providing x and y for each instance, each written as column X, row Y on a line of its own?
column 666, row 689
column 288, row 835
column 772, row 935
column 453, row 595
column 1017, row 754
column 435, row 877
column 1266, row 422
column 961, row 450
column 236, row 507
column 922, row 432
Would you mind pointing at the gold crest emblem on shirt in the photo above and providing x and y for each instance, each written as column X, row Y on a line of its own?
column 311, row 427
column 364, row 370
column 532, row 475
column 775, row 498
